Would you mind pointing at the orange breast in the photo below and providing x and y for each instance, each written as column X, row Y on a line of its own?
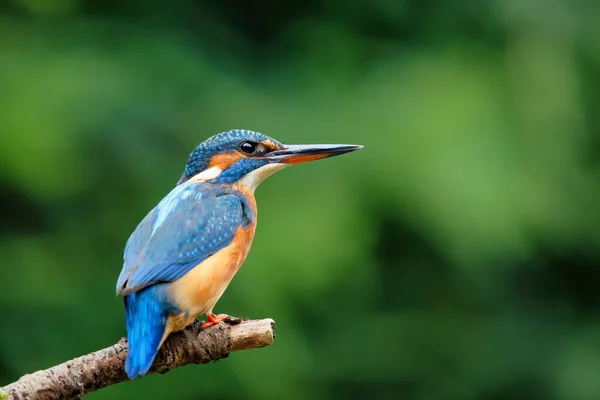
column 199, row 290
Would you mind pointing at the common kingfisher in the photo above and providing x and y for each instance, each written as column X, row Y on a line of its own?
column 184, row 253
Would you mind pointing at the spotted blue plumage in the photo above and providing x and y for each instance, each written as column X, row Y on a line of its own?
column 194, row 221
column 197, row 219
column 223, row 142
column 191, row 223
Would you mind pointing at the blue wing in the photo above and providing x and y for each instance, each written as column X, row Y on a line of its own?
column 190, row 224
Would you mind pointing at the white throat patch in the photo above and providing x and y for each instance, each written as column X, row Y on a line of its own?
column 252, row 179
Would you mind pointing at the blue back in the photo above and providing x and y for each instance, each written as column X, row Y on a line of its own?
column 194, row 221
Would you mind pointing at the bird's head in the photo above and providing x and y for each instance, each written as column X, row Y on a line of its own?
column 247, row 157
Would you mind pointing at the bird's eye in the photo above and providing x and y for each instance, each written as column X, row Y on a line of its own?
column 248, row 147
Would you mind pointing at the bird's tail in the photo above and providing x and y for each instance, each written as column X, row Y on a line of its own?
column 146, row 319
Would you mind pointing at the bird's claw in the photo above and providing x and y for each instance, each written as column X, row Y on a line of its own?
column 215, row 320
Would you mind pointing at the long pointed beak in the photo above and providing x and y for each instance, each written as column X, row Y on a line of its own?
column 300, row 153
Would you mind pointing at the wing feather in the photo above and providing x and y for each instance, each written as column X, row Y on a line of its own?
column 188, row 226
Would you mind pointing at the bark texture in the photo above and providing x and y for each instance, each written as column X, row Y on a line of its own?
column 75, row 378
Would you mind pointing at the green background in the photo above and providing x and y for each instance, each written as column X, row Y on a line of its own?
column 456, row 257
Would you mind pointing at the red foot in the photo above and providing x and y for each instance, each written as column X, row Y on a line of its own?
column 214, row 320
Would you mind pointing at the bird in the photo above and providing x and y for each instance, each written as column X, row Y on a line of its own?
column 184, row 253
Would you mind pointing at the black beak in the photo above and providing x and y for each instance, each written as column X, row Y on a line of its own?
column 296, row 154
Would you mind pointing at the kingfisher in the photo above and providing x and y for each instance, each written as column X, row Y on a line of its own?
column 185, row 252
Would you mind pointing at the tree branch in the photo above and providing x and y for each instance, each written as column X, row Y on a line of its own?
column 75, row 378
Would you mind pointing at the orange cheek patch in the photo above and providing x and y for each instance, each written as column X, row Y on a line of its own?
column 306, row 158
column 224, row 161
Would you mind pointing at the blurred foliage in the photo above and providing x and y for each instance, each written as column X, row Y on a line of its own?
column 456, row 257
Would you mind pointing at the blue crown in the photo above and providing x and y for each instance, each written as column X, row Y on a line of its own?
column 224, row 142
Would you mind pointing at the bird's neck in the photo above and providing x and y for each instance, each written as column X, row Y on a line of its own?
column 248, row 201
